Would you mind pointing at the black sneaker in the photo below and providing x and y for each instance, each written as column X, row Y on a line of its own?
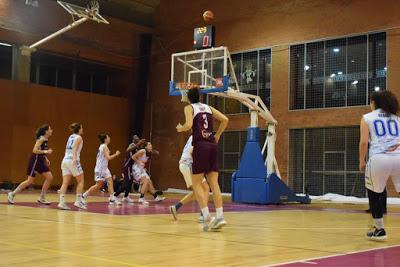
column 377, row 234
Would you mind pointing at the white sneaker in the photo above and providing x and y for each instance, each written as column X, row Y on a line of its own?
column 63, row 206
column 201, row 219
column 143, row 201
column 218, row 223
column 128, row 200
column 115, row 201
column 159, row 198
column 10, row 198
column 43, row 201
column 208, row 222
column 80, row 205
column 84, row 200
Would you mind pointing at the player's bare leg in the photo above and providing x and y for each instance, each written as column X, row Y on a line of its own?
column 94, row 188
column 20, row 187
column 202, row 199
column 217, row 196
column 48, row 179
column 145, row 185
column 188, row 198
column 61, row 204
column 113, row 199
column 156, row 194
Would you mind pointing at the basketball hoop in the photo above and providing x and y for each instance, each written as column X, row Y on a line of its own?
column 184, row 87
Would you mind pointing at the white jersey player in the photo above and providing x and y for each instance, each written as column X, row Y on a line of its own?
column 71, row 167
column 380, row 129
column 185, row 167
column 101, row 172
column 141, row 176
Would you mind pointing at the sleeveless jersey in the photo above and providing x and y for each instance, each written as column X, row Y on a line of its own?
column 186, row 157
column 68, row 148
column 143, row 159
column 128, row 161
column 384, row 131
column 101, row 160
column 202, row 123
column 43, row 146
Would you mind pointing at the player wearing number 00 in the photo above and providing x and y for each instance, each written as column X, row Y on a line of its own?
column 199, row 117
column 380, row 130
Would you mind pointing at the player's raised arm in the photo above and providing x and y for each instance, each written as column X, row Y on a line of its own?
column 223, row 122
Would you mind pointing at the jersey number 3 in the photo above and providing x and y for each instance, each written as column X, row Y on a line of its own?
column 205, row 125
column 390, row 127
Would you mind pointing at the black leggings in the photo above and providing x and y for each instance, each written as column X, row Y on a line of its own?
column 377, row 203
column 126, row 187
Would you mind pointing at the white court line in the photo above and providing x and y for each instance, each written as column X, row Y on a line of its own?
column 309, row 260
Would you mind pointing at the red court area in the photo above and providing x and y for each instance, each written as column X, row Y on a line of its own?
column 163, row 207
column 387, row 257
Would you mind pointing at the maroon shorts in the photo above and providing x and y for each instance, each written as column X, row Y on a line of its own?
column 205, row 158
column 37, row 164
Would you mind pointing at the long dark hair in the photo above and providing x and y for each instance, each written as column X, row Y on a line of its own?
column 42, row 130
column 386, row 101
column 75, row 127
column 102, row 137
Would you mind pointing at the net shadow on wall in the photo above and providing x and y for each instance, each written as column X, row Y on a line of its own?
column 325, row 160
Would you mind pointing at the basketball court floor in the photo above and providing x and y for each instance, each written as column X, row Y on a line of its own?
column 319, row 234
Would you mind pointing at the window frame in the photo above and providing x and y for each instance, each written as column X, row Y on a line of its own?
column 367, row 34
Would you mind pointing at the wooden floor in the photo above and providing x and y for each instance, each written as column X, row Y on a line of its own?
column 35, row 236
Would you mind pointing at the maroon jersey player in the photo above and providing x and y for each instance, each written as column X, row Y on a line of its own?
column 38, row 164
column 199, row 117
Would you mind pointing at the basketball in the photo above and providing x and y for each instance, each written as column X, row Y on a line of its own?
column 208, row 15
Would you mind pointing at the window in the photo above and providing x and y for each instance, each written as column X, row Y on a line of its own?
column 5, row 61
column 337, row 73
column 325, row 160
column 84, row 76
column 230, row 149
column 253, row 73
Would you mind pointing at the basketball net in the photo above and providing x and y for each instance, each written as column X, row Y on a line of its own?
column 184, row 88
column 93, row 8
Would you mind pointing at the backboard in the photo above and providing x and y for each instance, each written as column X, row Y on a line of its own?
column 211, row 69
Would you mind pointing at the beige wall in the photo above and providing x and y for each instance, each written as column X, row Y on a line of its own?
column 24, row 107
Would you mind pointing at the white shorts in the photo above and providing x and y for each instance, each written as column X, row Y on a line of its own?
column 139, row 172
column 378, row 170
column 186, row 171
column 102, row 176
column 68, row 168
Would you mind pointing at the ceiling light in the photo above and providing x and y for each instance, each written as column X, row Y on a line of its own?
column 376, row 88
column 332, row 75
column 355, row 82
column 336, row 50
